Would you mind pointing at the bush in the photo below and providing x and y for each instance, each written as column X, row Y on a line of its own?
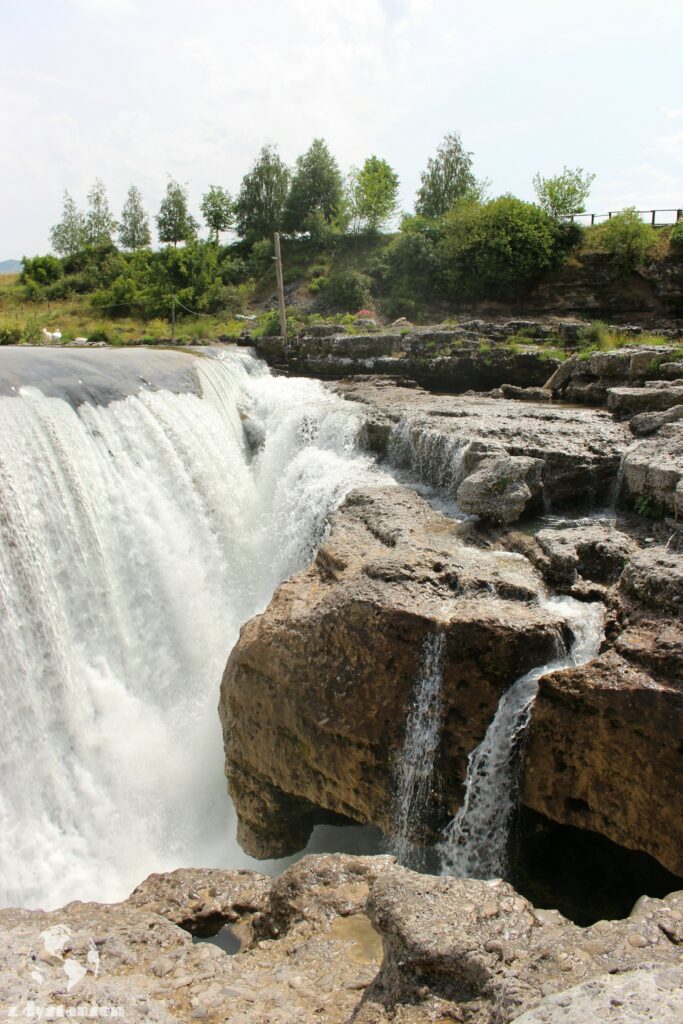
column 676, row 236
column 626, row 237
column 349, row 290
column 409, row 266
column 60, row 289
column 318, row 284
column 9, row 335
column 496, row 250
column 41, row 269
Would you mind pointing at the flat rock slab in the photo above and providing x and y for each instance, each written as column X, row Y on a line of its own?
column 649, row 993
column 627, row 402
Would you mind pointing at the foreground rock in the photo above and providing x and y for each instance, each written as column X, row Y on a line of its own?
column 442, row 440
column 317, row 690
column 337, row 939
column 653, row 472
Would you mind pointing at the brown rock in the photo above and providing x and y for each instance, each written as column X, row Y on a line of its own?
column 316, row 692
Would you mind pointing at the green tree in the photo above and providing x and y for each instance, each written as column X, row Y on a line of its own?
column 496, row 250
column 374, row 193
column 447, row 178
column 99, row 222
column 627, row 238
column 174, row 221
column 316, row 195
column 217, row 211
column 565, row 194
column 262, row 197
column 134, row 230
column 68, row 236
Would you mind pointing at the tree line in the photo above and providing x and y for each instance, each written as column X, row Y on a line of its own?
column 313, row 199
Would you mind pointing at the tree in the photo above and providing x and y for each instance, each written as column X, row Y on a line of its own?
column 174, row 221
column 68, row 236
column 496, row 250
column 99, row 222
column 134, row 230
column 447, row 178
column 374, row 192
column 316, row 196
column 627, row 238
column 565, row 194
column 217, row 211
column 263, row 196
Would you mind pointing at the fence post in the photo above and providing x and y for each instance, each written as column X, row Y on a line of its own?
column 592, row 219
column 654, row 212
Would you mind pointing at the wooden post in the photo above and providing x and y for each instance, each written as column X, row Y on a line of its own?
column 280, row 288
column 654, row 212
column 172, row 314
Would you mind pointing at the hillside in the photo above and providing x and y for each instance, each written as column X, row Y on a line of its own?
column 10, row 267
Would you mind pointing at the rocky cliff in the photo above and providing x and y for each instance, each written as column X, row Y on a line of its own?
column 316, row 692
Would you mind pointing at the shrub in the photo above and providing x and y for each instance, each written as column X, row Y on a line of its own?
column 676, row 236
column 626, row 237
column 60, row 289
column 318, row 284
column 9, row 335
column 41, row 269
column 349, row 289
column 496, row 250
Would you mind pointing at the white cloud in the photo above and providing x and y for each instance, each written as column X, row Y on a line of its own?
column 105, row 6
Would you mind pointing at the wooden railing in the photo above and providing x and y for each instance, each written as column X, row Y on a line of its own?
column 649, row 215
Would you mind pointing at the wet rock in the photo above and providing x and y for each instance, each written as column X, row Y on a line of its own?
column 624, row 776
column 442, row 439
column 653, row 582
column 502, row 488
column 526, row 394
column 595, row 551
column 316, row 692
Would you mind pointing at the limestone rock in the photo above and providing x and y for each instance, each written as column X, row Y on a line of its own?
column 316, row 692
column 649, row 993
column 653, row 582
column 502, row 488
column 441, row 439
column 646, row 423
column 626, row 402
column 605, row 746
column 653, row 470
column 452, row 944
column 595, row 551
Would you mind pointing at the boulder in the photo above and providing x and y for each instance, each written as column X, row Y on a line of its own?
column 626, row 402
column 502, row 488
column 478, row 952
column 316, row 692
column 593, row 551
column 653, row 471
column 647, row 423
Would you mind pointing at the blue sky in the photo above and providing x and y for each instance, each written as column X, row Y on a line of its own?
column 134, row 90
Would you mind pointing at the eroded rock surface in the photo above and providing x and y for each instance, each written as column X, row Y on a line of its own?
column 443, row 439
column 605, row 749
column 317, row 690
column 338, row 939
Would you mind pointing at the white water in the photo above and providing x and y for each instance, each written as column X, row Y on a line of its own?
column 415, row 767
column 475, row 843
column 135, row 538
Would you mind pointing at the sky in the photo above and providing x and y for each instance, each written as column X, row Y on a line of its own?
column 132, row 91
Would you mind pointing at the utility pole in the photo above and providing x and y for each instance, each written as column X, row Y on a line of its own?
column 280, row 288
column 172, row 314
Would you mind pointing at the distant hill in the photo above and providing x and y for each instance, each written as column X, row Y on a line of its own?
column 10, row 267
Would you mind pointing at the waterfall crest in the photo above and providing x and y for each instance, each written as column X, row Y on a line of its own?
column 475, row 842
column 135, row 538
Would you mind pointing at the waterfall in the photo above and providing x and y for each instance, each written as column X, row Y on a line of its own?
column 475, row 842
column 135, row 538
column 415, row 766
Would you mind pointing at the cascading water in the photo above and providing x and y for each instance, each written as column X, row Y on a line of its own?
column 475, row 843
column 135, row 538
column 415, row 767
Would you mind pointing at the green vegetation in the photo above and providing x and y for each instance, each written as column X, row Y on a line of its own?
column 457, row 248
column 564, row 195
